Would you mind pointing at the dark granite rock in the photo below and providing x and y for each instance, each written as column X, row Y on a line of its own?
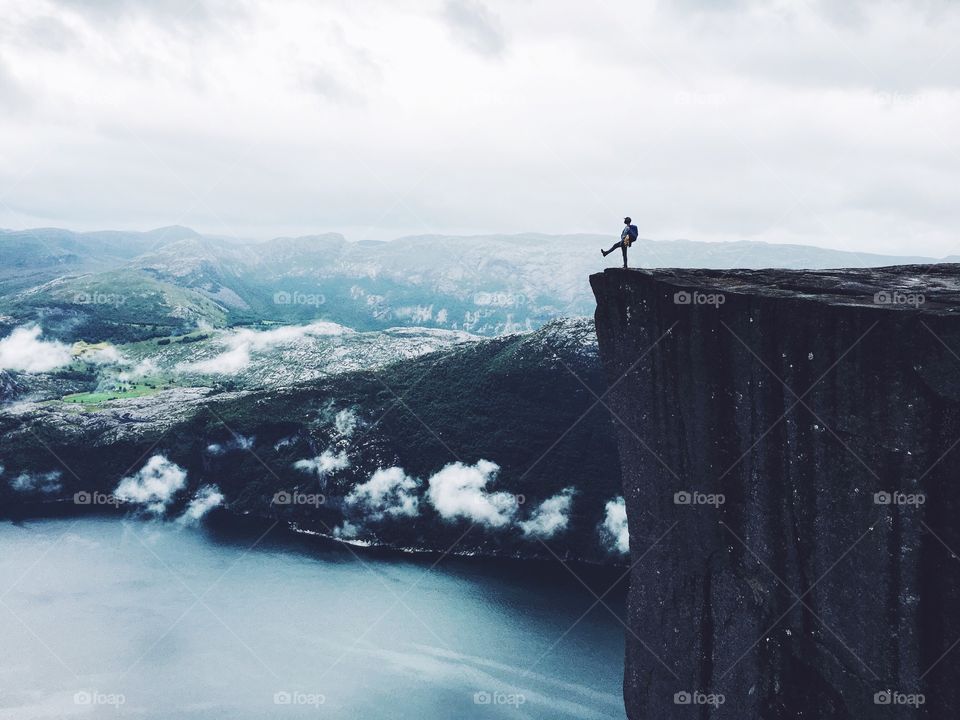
column 797, row 397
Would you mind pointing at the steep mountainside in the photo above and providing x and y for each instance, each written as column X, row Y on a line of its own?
column 788, row 444
column 485, row 446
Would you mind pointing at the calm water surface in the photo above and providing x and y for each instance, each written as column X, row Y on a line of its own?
column 110, row 618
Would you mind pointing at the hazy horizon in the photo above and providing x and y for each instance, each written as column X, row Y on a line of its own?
column 599, row 236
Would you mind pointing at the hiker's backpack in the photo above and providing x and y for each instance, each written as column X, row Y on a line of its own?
column 632, row 235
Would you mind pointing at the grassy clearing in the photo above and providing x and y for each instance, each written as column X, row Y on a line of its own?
column 127, row 390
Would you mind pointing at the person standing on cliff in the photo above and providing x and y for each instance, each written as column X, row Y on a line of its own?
column 627, row 238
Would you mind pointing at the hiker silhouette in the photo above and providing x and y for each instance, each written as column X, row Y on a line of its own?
column 627, row 238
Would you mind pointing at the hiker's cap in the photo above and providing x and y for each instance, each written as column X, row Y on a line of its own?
column 627, row 220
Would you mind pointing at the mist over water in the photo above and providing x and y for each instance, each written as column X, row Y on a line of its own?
column 105, row 618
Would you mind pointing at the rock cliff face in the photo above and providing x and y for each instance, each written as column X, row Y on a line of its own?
column 790, row 446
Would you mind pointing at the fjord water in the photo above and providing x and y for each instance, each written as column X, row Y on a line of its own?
column 111, row 618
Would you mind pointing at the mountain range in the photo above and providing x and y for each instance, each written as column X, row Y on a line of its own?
column 127, row 286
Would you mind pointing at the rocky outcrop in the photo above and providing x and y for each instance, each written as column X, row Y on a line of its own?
column 789, row 448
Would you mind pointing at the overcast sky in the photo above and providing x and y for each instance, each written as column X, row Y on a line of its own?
column 833, row 123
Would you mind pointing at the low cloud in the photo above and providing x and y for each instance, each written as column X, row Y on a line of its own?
column 145, row 367
column 346, row 531
column 154, row 485
column 24, row 350
column 106, row 355
column 228, row 363
column 267, row 339
column 44, row 483
column 206, row 499
column 243, row 343
column 345, row 423
column 284, row 442
column 237, row 442
column 388, row 492
column 613, row 530
column 459, row 491
column 326, row 463
column 551, row 517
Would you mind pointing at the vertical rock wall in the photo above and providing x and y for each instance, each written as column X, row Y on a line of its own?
column 759, row 413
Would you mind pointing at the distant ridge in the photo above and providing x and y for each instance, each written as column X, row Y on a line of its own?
column 174, row 278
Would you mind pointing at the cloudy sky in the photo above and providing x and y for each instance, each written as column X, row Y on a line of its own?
column 824, row 122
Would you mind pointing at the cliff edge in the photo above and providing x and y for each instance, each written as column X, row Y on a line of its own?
column 788, row 441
